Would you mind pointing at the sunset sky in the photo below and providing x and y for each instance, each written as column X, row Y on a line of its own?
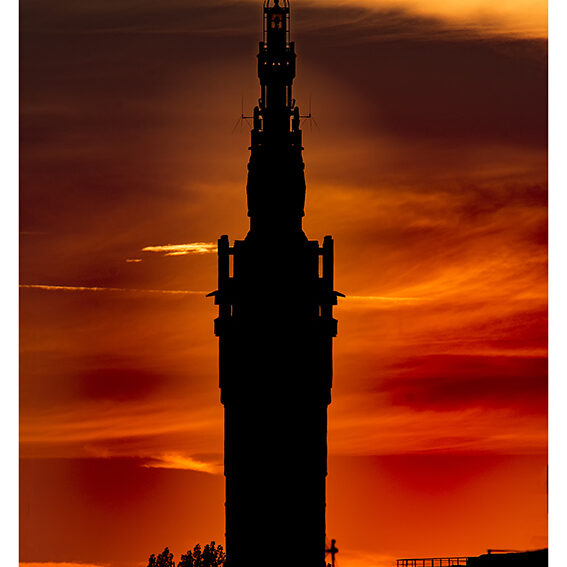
column 427, row 163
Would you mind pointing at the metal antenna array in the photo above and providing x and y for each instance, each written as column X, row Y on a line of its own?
column 241, row 118
column 309, row 117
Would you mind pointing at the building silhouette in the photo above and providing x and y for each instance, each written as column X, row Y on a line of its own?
column 275, row 327
column 492, row 558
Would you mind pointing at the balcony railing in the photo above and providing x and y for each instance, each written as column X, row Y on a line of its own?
column 432, row 562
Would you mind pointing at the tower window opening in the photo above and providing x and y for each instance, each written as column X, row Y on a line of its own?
column 231, row 265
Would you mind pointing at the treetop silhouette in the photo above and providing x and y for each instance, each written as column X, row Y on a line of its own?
column 211, row 555
column 164, row 559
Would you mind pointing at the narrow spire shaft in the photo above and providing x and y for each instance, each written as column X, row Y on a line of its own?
column 276, row 181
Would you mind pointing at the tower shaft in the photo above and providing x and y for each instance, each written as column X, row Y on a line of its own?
column 275, row 327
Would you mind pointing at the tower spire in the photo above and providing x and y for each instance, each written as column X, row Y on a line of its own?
column 276, row 182
column 276, row 62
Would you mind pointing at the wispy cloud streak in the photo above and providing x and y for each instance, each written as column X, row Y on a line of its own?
column 395, row 431
column 120, row 289
column 183, row 249
column 166, row 435
column 60, row 564
column 111, row 421
column 385, row 299
column 181, row 462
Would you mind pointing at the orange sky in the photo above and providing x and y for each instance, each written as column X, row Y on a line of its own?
column 428, row 165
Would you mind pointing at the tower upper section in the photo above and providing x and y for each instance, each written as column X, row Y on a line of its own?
column 276, row 182
column 276, row 65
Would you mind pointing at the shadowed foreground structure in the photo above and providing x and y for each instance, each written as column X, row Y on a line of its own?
column 275, row 330
column 537, row 558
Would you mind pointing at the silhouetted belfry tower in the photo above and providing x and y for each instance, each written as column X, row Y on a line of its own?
column 275, row 330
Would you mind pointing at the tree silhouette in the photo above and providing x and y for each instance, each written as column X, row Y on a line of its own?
column 211, row 556
column 164, row 559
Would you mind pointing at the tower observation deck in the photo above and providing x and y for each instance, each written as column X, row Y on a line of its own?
column 275, row 327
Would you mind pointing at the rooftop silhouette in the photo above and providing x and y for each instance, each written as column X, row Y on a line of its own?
column 493, row 558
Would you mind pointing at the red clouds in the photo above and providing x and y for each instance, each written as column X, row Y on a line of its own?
column 450, row 382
